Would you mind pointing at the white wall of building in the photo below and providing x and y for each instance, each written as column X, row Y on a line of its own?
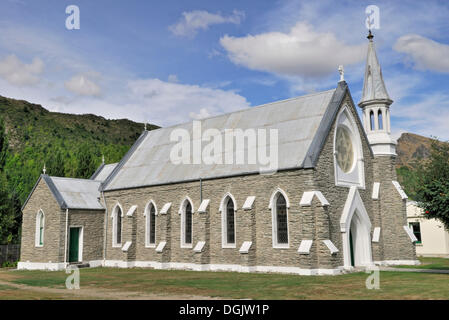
column 434, row 238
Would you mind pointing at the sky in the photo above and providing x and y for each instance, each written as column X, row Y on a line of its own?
column 168, row 62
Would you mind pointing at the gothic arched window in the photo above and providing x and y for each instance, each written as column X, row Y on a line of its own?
column 281, row 220
column 380, row 120
column 230, row 222
column 186, row 224
column 150, row 236
column 40, row 222
column 117, row 227
column 371, row 120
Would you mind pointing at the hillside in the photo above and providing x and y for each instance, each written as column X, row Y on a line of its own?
column 61, row 141
column 412, row 147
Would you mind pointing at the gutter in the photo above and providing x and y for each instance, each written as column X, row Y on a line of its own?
column 105, row 228
column 66, row 231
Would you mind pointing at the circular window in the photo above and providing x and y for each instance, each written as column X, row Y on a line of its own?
column 345, row 149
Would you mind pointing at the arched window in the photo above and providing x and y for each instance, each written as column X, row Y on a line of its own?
column 281, row 220
column 230, row 222
column 371, row 120
column 379, row 120
column 228, row 208
column 279, row 205
column 40, row 223
column 150, row 235
column 186, row 224
column 117, row 226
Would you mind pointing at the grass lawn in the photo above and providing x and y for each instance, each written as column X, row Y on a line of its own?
column 431, row 263
column 393, row 285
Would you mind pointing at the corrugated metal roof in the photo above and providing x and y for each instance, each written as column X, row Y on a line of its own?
column 76, row 193
column 297, row 121
column 103, row 171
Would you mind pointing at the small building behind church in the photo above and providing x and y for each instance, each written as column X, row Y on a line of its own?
column 333, row 204
column 432, row 239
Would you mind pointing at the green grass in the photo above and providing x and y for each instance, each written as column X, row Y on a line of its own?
column 431, row 263
column 393, row 285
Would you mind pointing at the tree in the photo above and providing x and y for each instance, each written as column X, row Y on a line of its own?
column 7, row 208
column 3, row 145
column 432, row 189
column 86, row 165
column 55, row 164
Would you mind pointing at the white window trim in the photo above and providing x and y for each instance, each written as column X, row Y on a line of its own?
column 114, row 226
column 224, row 230
column 38, row 226
column 182, row 212
column 274, row 228
column 80, row 241
column 147, row 215
column 357, row 175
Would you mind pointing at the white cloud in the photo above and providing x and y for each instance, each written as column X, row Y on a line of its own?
column 21, row 74
column 200, row 115
column 300, row 52
column 425, row 53
column 193, row 21
column 82, row 85
column 172, row 78
column 170, row 103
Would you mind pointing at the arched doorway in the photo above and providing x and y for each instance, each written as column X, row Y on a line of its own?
column 355, row 226
column 359, row 242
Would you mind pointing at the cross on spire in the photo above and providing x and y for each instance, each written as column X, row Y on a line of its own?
column 370, row 35
column 44, row 170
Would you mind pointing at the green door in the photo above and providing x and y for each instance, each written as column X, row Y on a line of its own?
column 74, row 244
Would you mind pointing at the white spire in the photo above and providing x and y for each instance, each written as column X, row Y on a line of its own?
column 373, row 85
column 44, row 170
column 375, row 104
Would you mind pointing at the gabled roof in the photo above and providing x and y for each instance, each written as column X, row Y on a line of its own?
column 103, row 171
column 72, row 193
column 303, row 124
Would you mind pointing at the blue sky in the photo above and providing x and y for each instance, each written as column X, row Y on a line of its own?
column 170, row 61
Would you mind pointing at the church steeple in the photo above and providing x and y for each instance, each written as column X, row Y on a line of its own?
column 375, row 104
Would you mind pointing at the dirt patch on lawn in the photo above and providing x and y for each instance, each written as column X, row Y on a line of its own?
column 88, row 293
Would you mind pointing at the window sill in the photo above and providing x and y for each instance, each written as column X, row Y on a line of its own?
column 186, row 246
column 39, row 245
column 117, row 245
column 228, row 246
column 150, row 246
column 280, row 246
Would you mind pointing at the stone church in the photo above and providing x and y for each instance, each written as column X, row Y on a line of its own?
column 333, row 204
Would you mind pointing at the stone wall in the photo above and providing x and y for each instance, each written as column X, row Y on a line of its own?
column 93, row 230
column 53, row 248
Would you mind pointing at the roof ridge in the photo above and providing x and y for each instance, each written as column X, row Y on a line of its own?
column 247, row 109
column 68, row 178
